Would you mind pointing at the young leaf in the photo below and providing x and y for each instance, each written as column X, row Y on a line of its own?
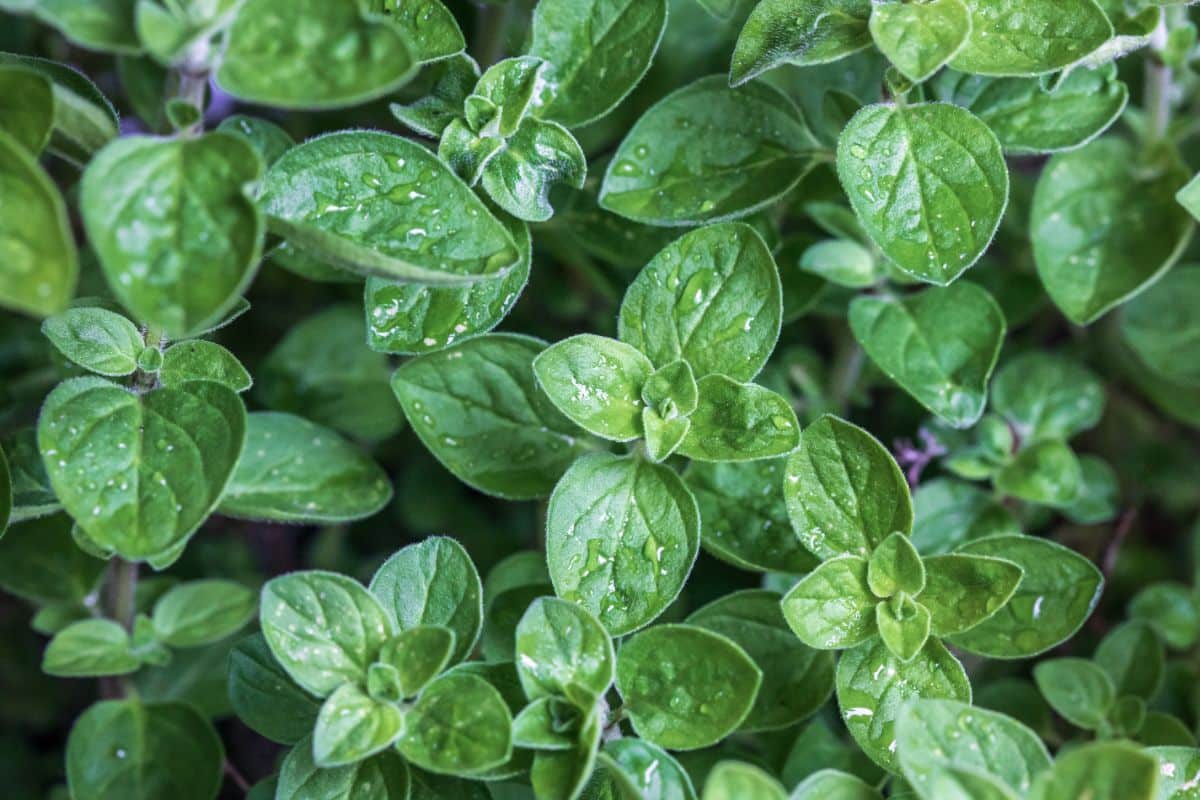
column 199, row 612
column 548, row 723
column 433, row 582
column 38, row 275
column 843, row 262
column 352, row 726
column 684, row 687
column 537, row 156
column 381, row 777
column 265, row 697
column 744, row 518
column 96, row 339
column 712, row 298
column 176, row 233
column 1133, row 658
column 730, row 780
column 271, row 43
column 1081, row 692
column 962, row 591
column 156, row 464
column 198, row 360
column 564, row 773
column 833, row 607
column 599, row 50
column 1047, row 396
column 663, row 436
column 905, row 630
column 293, row 470
column 873, row 685
column 796, row 679
column 450, row 81
column 1029, row 117
column 802, row 32
column 706, row 153
column 562, row 650
column 739, row 422
column 412, row 318
column 940, row 345
column 460, row 725
column 89, row 648
column 928, row 183
column 845, row 494
column 1100, row 771
column 324, row 629
column 1030, row 37
column 1171, row 609
column 1098, row 495
column 418, row 655
column 597, row 383
column 478, row 409
column 621, row 538
column 646, row 771
column 1058, row 590
column 1046, row 472
column 894, row 567
column 122, row 748
column 1088, row 206
column 919, row 38
column 951, row 749
column 365, row 202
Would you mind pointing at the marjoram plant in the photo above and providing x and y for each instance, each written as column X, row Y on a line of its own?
column 838, row 439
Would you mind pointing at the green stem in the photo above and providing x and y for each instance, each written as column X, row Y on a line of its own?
column 847, row 369
column 193, row 82
column 153, row 336
column 1158, row 87
column 122, row 591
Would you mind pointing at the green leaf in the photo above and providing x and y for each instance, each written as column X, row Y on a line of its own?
column 919, row 38
column 1098, row 495
column 903, row 626
column 176, row 233
column 39, row 269
column 962, row 590
column 951, row 749
column 324, row 629
column 432, row 31
column 873, row 685
column 707, row 153
column 940, row 345
column 270, row 140
column 732, row 780
column 1171, row 609
column 1162, row 327
column 832, row 784
column 621, row 537
column 433, row 582
column 843, row 262
column 801, row 32
column 418, row 655
column 597, row 383
column 40, row 562
column 1045, row 472
column 1030, row 117
column 122, row 748
column 948, row 513
column 1047, row 396
column 1030, row 37
column 199, row 612
column 32, row 496
column 743, row 516
column 102, row 25
column 155, row 464
column 1177, row 772
column 96, row 339
column 6, row 493
column 796, row 679
column 645, row 771
column 1100, row 771
column 413, row 318
column 562, row 650
column 88, row 648
column 382, row 777
column 739, row 422
column 1087, row 209
column 845, row 494
column 198, row 360
column 323, row 370
column 478, row 409
column 271, row 46
column 459, row 725
column 377, row 204
column 599, row 50
column 1081, row 692
column 450, row 81
column 663, row 436
column 712, row 298
column 352, row 726
column 928, row 183
column 1057, row 592
column 685, row 687
column 548, row 723
column 265, row 697
column 565, row 773
column 27, row 107
column 833, row 606
column 1133, row 658
column 537, row 156
column 895, row 567
column 293, row 470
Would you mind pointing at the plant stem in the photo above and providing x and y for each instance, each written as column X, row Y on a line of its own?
column 122, row 588
column 1158, row 86
column 847, row 368
column 193, row 81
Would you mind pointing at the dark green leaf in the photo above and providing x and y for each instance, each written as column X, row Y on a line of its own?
column 265, row 697
column 1047, row 396
column 381, row 777
column 802, row 32
column 1081, row 692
